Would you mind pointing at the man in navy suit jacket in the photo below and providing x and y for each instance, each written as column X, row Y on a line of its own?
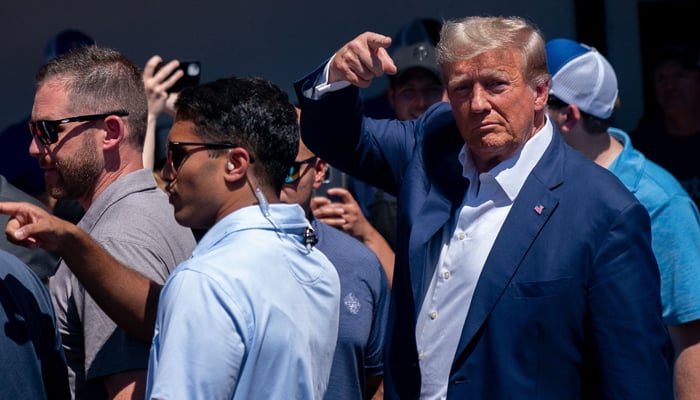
column 523, row 270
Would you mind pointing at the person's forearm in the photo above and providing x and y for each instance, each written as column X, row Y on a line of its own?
column 686, row 377
column 376, row 242
column 127, row 297
column 126, row 385
column 149, row 144
column 686, row 372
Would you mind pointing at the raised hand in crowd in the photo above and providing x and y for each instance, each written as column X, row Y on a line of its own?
column 157, row 81
column 347, row 216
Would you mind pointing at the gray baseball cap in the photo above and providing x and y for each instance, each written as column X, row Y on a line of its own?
column 418, row 55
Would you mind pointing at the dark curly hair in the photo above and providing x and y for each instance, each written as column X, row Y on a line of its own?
column 251, row 112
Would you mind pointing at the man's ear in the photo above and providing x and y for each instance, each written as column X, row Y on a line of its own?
column 236, row 165
column 572, row 116
column 541, row 95
column 320, row 169
column 116, row 130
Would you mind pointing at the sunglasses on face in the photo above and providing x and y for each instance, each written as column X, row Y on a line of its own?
column 295, row 170
column 177, row 153
column 46, row 130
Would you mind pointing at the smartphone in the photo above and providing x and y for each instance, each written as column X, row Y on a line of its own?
column 191, row 70
column 333, row 178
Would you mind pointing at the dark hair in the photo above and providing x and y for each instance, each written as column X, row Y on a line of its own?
column 685, row 54
column 250, row 112
column 410, row 74
column 594, row 124
column 100, row 80
column 591, row 123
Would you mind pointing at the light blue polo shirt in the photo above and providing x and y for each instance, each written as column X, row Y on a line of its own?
column 252, row 315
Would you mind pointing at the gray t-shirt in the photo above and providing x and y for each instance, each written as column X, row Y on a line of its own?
column 134, row 222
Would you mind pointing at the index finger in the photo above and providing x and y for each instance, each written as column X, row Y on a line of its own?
column 381, row 62
column 376, row 41
column 329, row 210
column 12, row 207
column 343, row 194
column 319, row 201
column 166, row 72
column 20, row 214
column 387, row 63
column 24, row 213
column 151, row 65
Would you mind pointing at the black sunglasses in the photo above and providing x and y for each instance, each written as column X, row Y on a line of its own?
column 177, row 153
column 295, row 170
column 45, row 130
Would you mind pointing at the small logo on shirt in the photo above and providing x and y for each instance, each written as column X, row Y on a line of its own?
column 352, row 303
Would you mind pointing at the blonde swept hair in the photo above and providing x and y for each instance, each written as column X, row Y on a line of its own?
column 468, row 37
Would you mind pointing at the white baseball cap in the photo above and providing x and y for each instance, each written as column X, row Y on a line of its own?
column 581, row 76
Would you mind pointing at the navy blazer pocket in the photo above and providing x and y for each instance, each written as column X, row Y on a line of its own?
column 539, row 288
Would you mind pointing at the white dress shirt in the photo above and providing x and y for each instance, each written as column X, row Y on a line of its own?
column 466, row 243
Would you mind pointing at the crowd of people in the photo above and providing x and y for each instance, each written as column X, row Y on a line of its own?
column 499, row 237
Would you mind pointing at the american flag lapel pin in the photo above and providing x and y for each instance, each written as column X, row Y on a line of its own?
column 538, row 209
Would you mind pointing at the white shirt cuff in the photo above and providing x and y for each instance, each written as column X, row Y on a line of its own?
column 322, row 86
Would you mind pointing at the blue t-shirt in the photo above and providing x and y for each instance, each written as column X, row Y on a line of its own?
column 675, row 229
column 364, row 298
column 31, row 355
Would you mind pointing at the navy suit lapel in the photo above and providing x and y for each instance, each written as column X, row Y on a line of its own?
column 444, row 196
column 530, row 212
column 435, row 213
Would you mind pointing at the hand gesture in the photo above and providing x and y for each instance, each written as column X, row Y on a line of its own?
column 157, row 84
column 345, row 215
column 33, row 227
column 361, row 60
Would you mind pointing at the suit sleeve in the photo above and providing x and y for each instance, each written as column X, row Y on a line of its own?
column 333, row 127
column 630, row 344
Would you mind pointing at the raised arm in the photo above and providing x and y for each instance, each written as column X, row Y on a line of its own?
column 126, row 296
column 157, row 84
column 361, row 60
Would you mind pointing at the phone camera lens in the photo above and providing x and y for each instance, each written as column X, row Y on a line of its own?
column 193, row 69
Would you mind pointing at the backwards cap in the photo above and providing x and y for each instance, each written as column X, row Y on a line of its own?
column 581, row 76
